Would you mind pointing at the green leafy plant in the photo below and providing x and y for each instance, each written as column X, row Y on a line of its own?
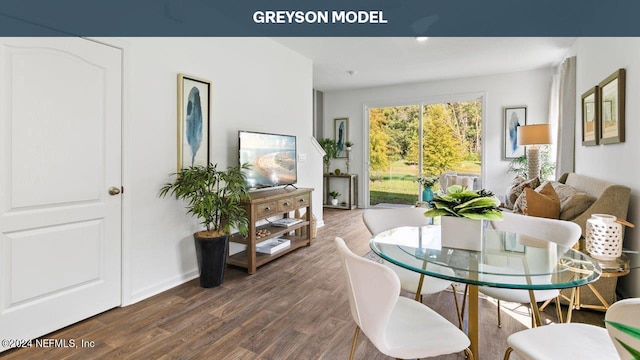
column 519, row 166
column 629, row 330
column 427, row 181
column 460, row 202
column 213, row 196
column 334, row 194
column 331, row 152
column 348, row 144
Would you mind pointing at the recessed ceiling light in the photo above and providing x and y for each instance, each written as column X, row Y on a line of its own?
column 352, row 72
column 422, row 38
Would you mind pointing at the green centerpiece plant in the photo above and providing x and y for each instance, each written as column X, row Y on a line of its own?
column 461, row 202
column 464, row 214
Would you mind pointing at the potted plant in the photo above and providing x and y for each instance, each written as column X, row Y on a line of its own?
column 214, row 197
column 463, row 213
column 347, row 147
column 334, row 197
column 331, row 152
column 427, row 183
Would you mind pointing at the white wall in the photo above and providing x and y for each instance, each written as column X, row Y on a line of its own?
column 530, row 88
column 597, row 58
column 258, row 85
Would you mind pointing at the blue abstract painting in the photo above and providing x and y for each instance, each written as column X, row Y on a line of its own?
column 513, row 119
column 193, row 121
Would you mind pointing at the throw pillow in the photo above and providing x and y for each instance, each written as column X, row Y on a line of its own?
column 516, row 191
column 541, row 204
column 572, row 201
column 515, row 182
column 575, row 205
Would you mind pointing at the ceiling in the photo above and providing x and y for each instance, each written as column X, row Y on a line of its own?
column 390, row 61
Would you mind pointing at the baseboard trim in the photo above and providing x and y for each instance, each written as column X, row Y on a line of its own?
column 162, row 286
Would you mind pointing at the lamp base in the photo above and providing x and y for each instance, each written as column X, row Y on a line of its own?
column 533, row 161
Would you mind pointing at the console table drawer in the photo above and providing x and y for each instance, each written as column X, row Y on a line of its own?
column 301, row 201
column 267, row 209
column 287, row 204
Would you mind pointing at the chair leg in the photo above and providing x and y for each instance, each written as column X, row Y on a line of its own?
column 499, row 319
column 464, row 301
column 507, row 353
column 469, row 354
column 354, row 343
column 455, row 298
column 559, row 309
column 545, row 304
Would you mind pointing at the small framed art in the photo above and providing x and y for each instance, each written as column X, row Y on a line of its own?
column 590, row 117
column 194, row 119
column 341, row 135
column 513, row 118
column 612, row 108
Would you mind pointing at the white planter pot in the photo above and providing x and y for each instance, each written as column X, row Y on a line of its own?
column 461, row 233
column 334, row 202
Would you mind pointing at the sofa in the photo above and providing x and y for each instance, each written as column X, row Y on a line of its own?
column 610, row 198
column 595, row 196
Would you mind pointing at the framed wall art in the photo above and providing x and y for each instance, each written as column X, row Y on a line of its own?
column 194, row 119
column 590, row 117
column 341, row 135
column 612, row 108
column 513, row 118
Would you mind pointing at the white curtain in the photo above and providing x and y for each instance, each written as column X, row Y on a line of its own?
column 554, row 115
column 566, row 117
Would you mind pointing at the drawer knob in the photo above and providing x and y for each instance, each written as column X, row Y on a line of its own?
column 286, row 203
column 301, row 200
column 267, row 209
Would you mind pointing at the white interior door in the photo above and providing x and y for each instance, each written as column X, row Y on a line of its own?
column 60, row 152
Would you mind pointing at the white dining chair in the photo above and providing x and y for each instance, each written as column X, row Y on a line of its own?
column 379, row 220
column 565, row 233
column 583, row 341
column 397, row 326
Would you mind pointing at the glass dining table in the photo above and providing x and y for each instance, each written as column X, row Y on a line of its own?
column 506, row 260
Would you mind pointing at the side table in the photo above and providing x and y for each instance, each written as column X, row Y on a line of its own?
column 610, row 269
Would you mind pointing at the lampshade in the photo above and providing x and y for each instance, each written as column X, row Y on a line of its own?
column 539, row 134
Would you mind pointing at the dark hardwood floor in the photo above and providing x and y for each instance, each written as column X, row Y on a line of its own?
column 292, row 308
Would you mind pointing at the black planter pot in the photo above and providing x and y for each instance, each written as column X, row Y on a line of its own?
column 212, row 259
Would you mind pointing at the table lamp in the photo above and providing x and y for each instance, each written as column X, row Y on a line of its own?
column 532, row 136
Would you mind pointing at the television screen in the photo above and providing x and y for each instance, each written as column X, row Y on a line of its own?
column 272, row 158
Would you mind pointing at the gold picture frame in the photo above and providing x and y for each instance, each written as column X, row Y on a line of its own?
column 612, row 108
column 194, row 121
column 591, row 117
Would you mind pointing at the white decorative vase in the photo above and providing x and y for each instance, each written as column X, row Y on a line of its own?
column 334, row 202
column 461, row 233
column 604, row 237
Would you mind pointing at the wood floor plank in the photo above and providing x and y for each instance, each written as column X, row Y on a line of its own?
column 292, row 308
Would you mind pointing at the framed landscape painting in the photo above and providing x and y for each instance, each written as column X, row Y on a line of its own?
column 514, row 117
column 194, row 118
column 590, row 117
column 341, row 135
column 612, row 108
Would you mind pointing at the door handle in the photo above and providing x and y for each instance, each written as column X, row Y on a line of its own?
column 114, row 191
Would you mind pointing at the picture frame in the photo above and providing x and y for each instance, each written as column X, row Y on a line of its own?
column 612, row 108
column 591, row 117
column 194, row 121
column 341, row 135
column 514, row 116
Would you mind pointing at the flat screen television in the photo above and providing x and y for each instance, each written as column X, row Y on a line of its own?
column 272, row 158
